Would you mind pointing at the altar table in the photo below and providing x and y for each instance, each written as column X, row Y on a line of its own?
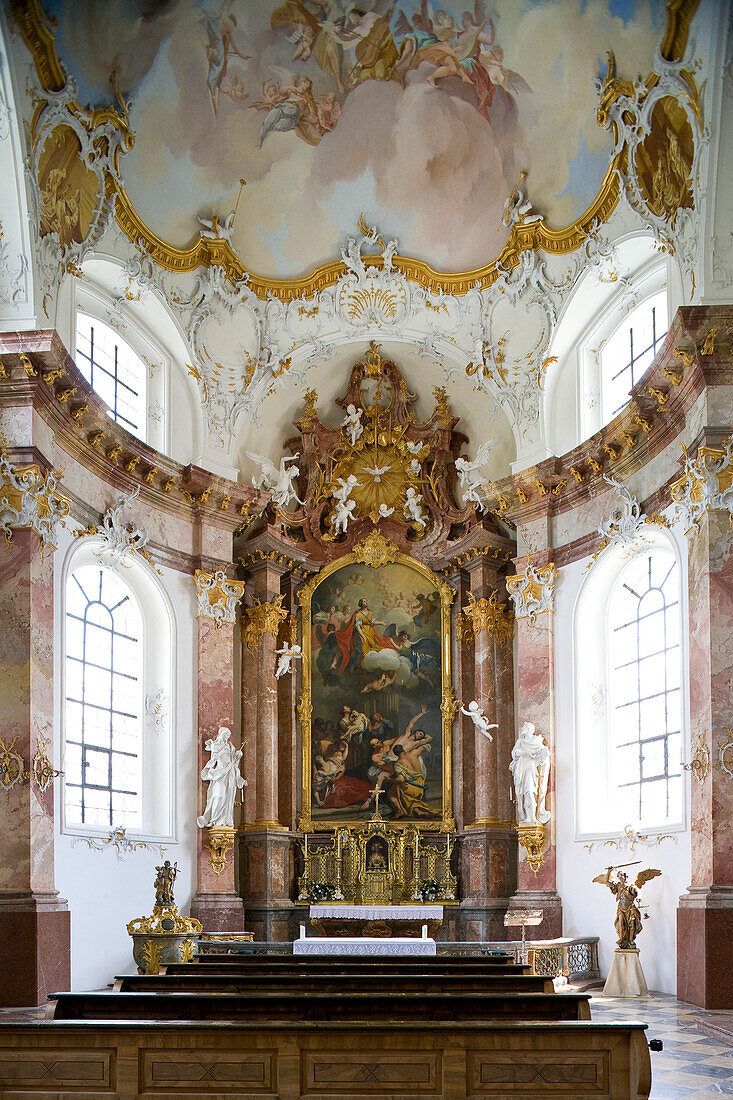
column 375, row 920
column 363, row 945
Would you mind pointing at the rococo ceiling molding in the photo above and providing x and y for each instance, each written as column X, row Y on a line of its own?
column 659, row 138
column 212, row 249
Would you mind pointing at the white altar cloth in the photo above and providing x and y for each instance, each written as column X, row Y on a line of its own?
column 363, row 945
column 379, row 912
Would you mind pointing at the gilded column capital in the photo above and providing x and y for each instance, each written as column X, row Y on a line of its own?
column 29, row 498
column 217, row 596
column 261, row 619
column 533, row 591
column 706, row 485
column 486, row 614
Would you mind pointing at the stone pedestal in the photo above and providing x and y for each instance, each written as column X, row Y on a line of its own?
column 625, row 978
column 704, row 938
column 35, row 947
column 488, row 877
column 267, row 879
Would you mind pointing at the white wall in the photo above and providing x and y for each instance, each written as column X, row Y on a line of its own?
column 589, row 909
column 104, row 893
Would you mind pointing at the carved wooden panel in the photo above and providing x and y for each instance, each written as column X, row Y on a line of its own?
column 515, row 1073
column 53, row 1069
column 337, row 1073
column 198, row 1072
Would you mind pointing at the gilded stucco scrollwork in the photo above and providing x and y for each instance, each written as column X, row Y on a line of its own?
column 31, row 499
column 706, row 485
column 533, row 591
column 217, row 596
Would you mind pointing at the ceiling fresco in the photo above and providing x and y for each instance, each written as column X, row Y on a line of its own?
column 420, row 116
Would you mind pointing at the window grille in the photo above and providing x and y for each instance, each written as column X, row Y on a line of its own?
column 645, row 671
column 103, row 701
column 629, row 352
column 114, row 371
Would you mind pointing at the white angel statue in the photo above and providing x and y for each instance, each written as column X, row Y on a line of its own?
column 385, row 511
column 352, row 423
column 413, row 508
column 285, row 658
column 415, row 466
column 345, row 488
column 278, row 482
column 469, row 473
column 224, row 779
column 217, row 227
column 414, row 446
column 479, row 719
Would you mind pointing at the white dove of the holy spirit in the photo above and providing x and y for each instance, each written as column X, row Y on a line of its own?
column 376, row 471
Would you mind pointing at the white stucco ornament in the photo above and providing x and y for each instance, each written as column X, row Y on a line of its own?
column 224, row 779
column 277, row 481
column 706, row 486
column 479, row 719
column 530, row 768
column 469, row 474
column 532, row 591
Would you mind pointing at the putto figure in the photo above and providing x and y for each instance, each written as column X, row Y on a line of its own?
column 285, row 658
column 224, row 779
column 352, row 424
column 628, row 923
column 278, row 482
column 530, row 768
column 164, row 880
column 479, row 719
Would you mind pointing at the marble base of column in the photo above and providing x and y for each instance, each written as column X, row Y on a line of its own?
column 267, row 881
column 488, row 877
column 551, row 905
column 218, row 912
column 704, row 938
column 35, row 947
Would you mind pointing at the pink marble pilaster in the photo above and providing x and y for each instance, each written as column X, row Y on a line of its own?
column 216, row 902
column 483, row 583
column 535, row 702
column 34, row 921
column 705, row 914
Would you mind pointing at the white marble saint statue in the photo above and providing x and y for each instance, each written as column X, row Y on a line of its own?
column 222, row 775
column 530, row 768
column 479, row 719
column 285, row 658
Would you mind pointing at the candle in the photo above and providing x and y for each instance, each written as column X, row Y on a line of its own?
column 306, row 846
column 417, row 845
column 338, row 845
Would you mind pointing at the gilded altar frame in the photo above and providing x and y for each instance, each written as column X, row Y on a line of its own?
column 376, row 551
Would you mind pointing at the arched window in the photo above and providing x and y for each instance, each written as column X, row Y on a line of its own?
column 104, row 705
column 629, row 351
column 114, row 371
column 630, row 722
column 117, row 695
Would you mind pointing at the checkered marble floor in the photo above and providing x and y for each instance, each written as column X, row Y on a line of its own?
column 692, row 1064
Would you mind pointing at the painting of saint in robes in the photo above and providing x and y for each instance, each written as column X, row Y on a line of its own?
column 376, row 673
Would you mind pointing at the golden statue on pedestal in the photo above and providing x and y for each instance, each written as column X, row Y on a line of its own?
column 628, row 923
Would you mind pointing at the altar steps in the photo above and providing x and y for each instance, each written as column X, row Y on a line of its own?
column 313, row 1005
column 329, row 983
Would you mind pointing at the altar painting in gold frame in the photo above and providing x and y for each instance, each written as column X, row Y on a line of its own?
column 377, row 706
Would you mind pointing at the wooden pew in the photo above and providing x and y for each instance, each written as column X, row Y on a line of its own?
column 288, row 1061
column 326, row 982
column 271, row 1007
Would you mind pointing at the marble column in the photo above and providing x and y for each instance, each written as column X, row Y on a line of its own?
column 487, row 855
column 216, row 903
column 533, row 593
column 705, row 913
column 34, row 921
column 266, row 844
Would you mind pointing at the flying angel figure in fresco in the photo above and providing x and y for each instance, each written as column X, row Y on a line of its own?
column 469, row 473
column 220, row 31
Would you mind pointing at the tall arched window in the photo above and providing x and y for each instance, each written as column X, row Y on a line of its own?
column 645, row 688
column 630, row 714
column 118, row 693
column 114, row 371
column 629, row 351
column 104, row 705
